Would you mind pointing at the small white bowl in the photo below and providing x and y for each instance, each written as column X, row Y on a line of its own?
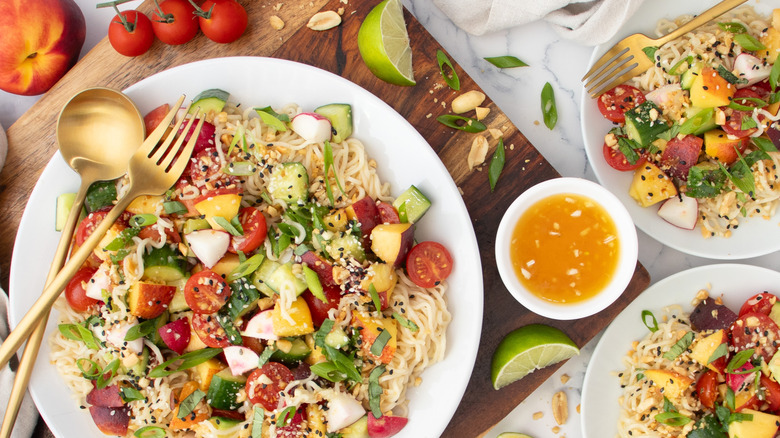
column 626, row 237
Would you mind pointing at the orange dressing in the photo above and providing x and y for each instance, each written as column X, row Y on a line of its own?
column 565, row 248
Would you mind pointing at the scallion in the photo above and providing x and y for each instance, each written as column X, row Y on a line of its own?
column 496, row 164
column 549, row 110
column 451, row 80
column 505, row 61
column 188, row 360
column 462, row 123
column 651, row 324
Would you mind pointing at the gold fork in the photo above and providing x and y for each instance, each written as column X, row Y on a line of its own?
column 626, row 59
column 153, row 169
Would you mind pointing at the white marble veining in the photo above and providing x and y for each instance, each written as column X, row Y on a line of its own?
column 517, row 93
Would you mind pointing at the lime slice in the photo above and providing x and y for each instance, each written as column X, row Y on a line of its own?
column 513, row 435
column 384, row 44
column 528, row 349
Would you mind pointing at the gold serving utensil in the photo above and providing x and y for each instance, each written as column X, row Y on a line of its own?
column 98, row 130
column 626, row 58
column 153, row 170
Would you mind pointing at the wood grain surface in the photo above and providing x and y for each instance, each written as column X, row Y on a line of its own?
column 32, row 143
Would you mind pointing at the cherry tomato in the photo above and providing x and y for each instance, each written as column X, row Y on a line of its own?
column 88, row 225
column 255, row 230
column 707, row 388
column 618, row 161
column 206, row 292
column 131, row 34
column 155, row 117
column 771, row 392
column 222, row 21
column 319, row 310
column 75, row 292
column 681, row 154
column 171, row 236
column 387, row 213
column 175, row 22
column 614, row 103
column 759, row 303
column 754, row 330
column 428, row 264
column 267, row 394
column 206, row 166
column 733, row 125
column 210, row 331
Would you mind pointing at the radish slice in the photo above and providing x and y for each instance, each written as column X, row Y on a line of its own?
column 208, row 245
column 261, row 326
column 240, row 359
column 735, row 381
column 312, row 127
column 343, row 410
column 665, row 96
column 680, row 211
column 99, row 282
column 176, row 334
column 749, row 67
column 116, row 337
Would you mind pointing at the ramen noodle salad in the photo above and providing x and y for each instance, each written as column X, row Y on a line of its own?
column 278, row 289
column 699, row 129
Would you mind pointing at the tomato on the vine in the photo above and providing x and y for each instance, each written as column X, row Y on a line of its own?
column 130, row 33
column 222, row 21
column 174, row 21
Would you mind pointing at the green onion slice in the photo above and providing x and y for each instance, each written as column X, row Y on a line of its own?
column 150, row 432
column 246, row 267
column 375, row 297
column 405, row 322
column 452, row 80
column 94, row 368
column 672, row 419
column 107, row 374
column 328, row 371
column 507, row 61
column 461, row 123
column 229, row 226
column 285, row 416
column 652, row 323
column 774, row 74
column 496, row 164
column 188, row 360
column 549, row 110
column 272, row 118
column 257, row 422
column 733, row 27
column 748, row 42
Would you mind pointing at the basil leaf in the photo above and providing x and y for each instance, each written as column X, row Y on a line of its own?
column 257, row 422
column 496, row 164
column 229, row 226
column 748, row 42
column 150, row 432
column 628, row 148
column 325, row 328
column 380, row 342
column 708, row 427
column 774, row 74
column 271, row 118
column 680, row 346
column 375, row 391
column 107, row 374
column 729, row 76
column 125, row 236
column 650, row 52
column 189, row 403
column 405, row 322
column 730, row 398
column 764, row 144
column 375, row 297
column 652, row 327
column 246, row 267
column 505, row 61
column 76, row 332
column 721, row 351
column 705, row 183
column 451, row 80
column 285, row 416
column 141, row 330
column 129, row 394
column 174, row 207
column 739, row 359
column 672, row 419
column 142, row 220
column 189, row 360
column 344, row 363
column 462, row 123
column 549, row 111
column 733, row 27
column 328, row 371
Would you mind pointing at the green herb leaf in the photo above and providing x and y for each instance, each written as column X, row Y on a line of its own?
column 344, row 363
column 257, row 422
column 188, row 360
column 228, row 226
column 733, row 27
column 375, row 297
column 748, row 123
column 189, row 403
column 327, row 153
column 549, row 110
column 739, row 359
column 150, row 432
column 143, row 220
column 237, row 136
column 680, row 346
column 462, row 123
column 730, row 77
column 705, row 183
column 325, row 328
column 451, row 80
column 76, row 332
column 131, row 394
column 122, row 239
column 405, row 322
column 721, row 351
column 774, row 74
column 328, row 371
column 730, row 398
column 272, row 118
column 764, row 144
column 174, row 207
column 107, row 374
column 650, row 52
column 629, row 149
column 676, row 67
column 496, row 164
column 505, row 61
column 285, row 416
column 375, row 391
column 748, row 42
column 225, row 320
column 672, row 419
column 265, row 356
column 379, row 343
column 246, row 267
column 652, row 323
column 759, row 103
column 269, row 110
column 94, row 369
column 668, row 406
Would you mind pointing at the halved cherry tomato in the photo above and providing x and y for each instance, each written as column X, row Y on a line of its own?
column 260, row 391
column 206, row 167
column 771, row 392
column 615, row 102
column 76, row 293
column 175, row 22
column 734, row 118
column 387, row 213
column 155, row 117
column 171, row 236
column 618, row 161
column 319, row 310
column 131, row 34
column 754, row 330
column 707, row 388
column 681, row 154
column 255, row 229
column 428, row 264
column 759, row 303
column 209, row 330
column 206, row 292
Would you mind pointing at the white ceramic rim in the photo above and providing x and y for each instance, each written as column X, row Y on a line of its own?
column 626, row 236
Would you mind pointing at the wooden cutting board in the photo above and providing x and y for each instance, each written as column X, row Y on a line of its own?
column 32, row 143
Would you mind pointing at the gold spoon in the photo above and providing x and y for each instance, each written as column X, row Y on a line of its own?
column 98, row 131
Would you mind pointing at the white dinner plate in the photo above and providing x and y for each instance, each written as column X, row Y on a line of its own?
column 750, row 240
column 404, row 158
column 601, row 388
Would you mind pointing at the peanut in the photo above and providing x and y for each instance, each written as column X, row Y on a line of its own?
column 560, row 407
column 467, row 101
column 478, row 152
column 324, row 20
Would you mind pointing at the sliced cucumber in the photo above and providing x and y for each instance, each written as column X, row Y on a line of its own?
column 284, row 279
column 210, row 100
column 337, row 338
column 344, row 246
column 289, row 182
column 411, row 205
column 690, row 75
column 100, row 194
column 64, row 205
column 223, row 423
column 340, row 116
column 358, row 429
column 644, row 123
column 243, row 299
column 262, row 274
column 191, row 225
column 164, row 265
column 178, row 303
column 223, row 390
column 298, row 352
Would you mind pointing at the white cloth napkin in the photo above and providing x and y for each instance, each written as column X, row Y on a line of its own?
column 588, row 22
column 28, row 414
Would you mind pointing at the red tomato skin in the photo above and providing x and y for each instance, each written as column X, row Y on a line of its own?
column 268, row 394
column 75, row 293
column 386, row 426
column 428, row 264
column 227, row 22
column 387, row 213
column 743, row 337
column 206, row 166
column 183, row 25
column 681, row 154
column 617, row 160
column 171, row 236
column 615, row 102
column 209, row 330
column 318, row 309
column 707, row 388
column 88, row 225
column 759, row 303
column 154, row 117
column 206, row 292
column 255, row 229
column 133, row 43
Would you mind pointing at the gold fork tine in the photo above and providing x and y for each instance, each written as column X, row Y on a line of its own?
column 159, row 153
column 174, row 152
column 625, row 66
column 614, row 83
column 608, row 58
column 154, row 138
column 608, row 72
column 184, row 157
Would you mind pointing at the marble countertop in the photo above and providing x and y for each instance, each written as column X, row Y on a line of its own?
column 517, row 92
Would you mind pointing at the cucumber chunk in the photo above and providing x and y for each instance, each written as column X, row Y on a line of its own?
column 64, row 205
column 411, row 205
column 298, row 352
column 340, row 116
column 337, row 338
column 686, row 81
column 139, row 369
column 164, row 265
column 223, row 423
column 194, row 225
column 644, row 123
column 345, row 246
column 243, row 298
column 100, row 194
column 213, row 99
column 178, row 303
column 289, row 182
column 262, row 274
column 223, row 390
column 358, row 429
column 283, row 278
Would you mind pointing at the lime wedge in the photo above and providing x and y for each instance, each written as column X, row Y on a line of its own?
column 513, row 435
column 384, row 44
column 528, row 349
